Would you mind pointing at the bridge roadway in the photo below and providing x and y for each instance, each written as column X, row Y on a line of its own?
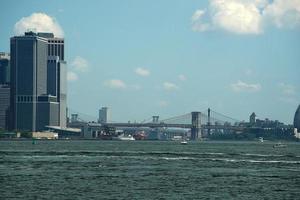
column 165, row 125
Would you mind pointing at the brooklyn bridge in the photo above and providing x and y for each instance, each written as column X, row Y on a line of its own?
column 196, row 121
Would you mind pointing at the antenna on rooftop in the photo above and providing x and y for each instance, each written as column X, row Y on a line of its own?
column 31, row 30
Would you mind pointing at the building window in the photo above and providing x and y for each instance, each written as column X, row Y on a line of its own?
column 58, row 53
column 52, row 50
column 62, row 51
column 55, row 49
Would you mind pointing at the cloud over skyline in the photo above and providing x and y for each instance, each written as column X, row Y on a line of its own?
column 246, row 16
column 241, row 86
column 80, row 64
column 142, row 71
column 287, row 89
column 77, row 66
column 168, row 86
column 72, row 76
column 115, row 84
column 163, row 103
column 39, row 22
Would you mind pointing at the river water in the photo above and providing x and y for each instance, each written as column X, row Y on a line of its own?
column 148, row 170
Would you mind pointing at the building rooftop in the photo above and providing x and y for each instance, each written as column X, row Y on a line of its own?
column 4, row 55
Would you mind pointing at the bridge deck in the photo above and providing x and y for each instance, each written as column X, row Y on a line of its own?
column 165, row 125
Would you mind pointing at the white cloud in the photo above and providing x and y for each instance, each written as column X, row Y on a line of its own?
column 287, row 89
column 198, row 23
column 237, row 16
column 182, row 77
column 80, row 64
column 115, row 84
column 198, row 14
column 163, row 103
column 170, row 86
column 39, row 22
column 72, row 76
column 284, row 13
column 246, row 16
column 241, row 86
column 142, row 71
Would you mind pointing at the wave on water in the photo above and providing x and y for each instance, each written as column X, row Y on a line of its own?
column 178, row 158
column 155, row 155
column 256, row 161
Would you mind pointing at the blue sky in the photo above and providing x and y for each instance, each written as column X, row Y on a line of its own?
column 167, row 58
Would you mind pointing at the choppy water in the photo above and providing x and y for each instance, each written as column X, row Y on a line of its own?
column 148, row 170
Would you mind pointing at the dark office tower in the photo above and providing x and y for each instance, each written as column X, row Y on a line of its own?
column 4, row 68
column 36, row 82
column 4, row 106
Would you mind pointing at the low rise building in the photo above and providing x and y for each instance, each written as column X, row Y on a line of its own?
column 45, row 135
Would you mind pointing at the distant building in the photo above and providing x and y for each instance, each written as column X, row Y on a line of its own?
column 4, row 106
column 297, row 119
column 4, row 68
column 74, row 118
column 104, row 115
column 252, row 118
column 38, row 81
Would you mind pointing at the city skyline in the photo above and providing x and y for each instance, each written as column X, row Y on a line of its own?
column 143, row 58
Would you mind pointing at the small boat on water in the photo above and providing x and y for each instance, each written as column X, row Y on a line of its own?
column 279, row 145
column 184, row 142
column 261, row 139
column 124, row 137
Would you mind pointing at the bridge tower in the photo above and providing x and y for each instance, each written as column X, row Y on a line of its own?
column 208, row 121
column 196, row 125
column 155, row 119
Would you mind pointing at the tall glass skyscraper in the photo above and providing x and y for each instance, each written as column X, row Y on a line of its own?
column 4, row 89
column 4, row 68
column 38, row 82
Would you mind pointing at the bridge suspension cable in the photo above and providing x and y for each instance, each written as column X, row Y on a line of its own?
column 225, row 116
column 82, row 116
column 178, row 119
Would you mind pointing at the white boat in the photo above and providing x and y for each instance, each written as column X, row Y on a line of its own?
column 124, row 137
column 184, row 142
column 261, row 139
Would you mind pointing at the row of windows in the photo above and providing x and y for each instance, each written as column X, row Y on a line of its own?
column 56, row 41
column 25, row 98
